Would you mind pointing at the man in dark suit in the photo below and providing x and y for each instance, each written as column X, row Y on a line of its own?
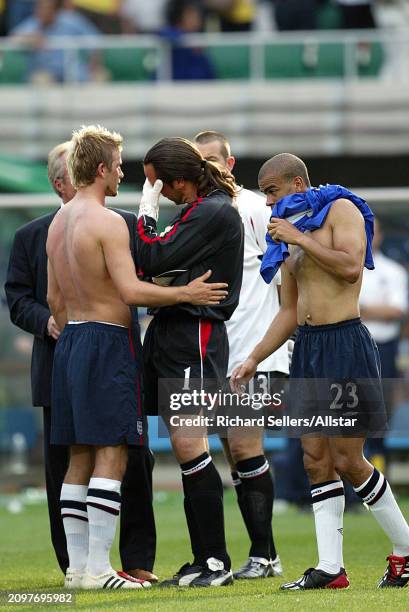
column 26, row 291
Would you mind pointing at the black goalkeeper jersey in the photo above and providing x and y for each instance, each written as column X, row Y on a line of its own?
column 205, row 235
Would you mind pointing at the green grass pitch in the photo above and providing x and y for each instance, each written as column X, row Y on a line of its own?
column 27, row 563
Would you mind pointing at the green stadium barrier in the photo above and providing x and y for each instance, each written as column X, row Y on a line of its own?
column 286, row 61
column 232, row 62
column 130, row 64
column 13, row 67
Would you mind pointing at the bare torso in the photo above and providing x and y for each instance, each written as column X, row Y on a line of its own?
column 323, row 298
column 74, row 248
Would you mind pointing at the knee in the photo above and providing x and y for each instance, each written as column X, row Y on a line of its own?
column 242, row 449
column 111, row 462
column 349, row 467
column 79, row 472
column 187, row 449
column 319, row 468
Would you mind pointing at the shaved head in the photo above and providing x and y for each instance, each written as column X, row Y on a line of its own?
column 285, row 166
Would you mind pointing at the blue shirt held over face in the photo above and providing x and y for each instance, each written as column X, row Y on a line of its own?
column 308, row 211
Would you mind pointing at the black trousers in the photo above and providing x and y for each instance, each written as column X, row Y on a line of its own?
column 138, row 533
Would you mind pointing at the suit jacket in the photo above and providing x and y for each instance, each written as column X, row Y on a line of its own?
column 26, row 291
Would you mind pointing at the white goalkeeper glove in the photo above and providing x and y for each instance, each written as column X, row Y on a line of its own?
column 149, row 205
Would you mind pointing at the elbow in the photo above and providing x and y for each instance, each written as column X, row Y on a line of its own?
column 127, row 296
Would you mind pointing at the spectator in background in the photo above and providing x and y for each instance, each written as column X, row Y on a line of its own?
column 299, row 15
column 296, row 14
column 17, row 11
column 142, row 16
column 56, row 18
column 358, row 14
column 185, row 17
column 2, row 17
column 383, row 306
column 234, row 15
column 104, row 14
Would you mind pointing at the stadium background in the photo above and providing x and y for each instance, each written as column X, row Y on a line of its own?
column 308, row 92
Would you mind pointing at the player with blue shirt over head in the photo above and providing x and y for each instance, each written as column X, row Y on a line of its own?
column 335, row 361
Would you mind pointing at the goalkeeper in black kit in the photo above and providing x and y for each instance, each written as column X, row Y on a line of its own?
column 188, row 344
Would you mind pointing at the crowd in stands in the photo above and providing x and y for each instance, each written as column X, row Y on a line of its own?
column 31, row 22
column 133, row 16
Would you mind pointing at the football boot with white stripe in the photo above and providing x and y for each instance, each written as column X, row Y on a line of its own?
column 396, row 574
column 113, row 580
column 183, row 576
column 318, row 579
column 213, row 575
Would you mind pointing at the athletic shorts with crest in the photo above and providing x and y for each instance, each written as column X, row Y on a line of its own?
column 96, row 387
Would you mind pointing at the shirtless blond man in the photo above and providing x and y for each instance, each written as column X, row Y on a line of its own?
column 91, row 284
column 321, row 280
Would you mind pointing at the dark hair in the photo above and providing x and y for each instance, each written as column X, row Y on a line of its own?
column 175, row 9
column 178, row 158
column 287, row 166
column 213, row 136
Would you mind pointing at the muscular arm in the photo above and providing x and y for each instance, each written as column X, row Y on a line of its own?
column 344, row 259
column 283, row 324
column 121, row 268
column 55, row 298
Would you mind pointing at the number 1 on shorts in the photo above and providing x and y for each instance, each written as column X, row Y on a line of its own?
column 187, row 379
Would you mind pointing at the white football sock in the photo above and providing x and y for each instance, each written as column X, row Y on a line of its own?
column 376, row 493
column 75, row 519
column 328, row 502
column 103, row 503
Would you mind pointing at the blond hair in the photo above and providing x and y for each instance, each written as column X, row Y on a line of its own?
column 91, row 146
column 56, row 163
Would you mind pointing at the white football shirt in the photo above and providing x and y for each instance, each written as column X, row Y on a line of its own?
column 387, row 285
column 258, row 302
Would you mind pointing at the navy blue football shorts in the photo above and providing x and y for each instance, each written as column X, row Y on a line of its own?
column 335, row 384
column 96, row 397
column 182, row 355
